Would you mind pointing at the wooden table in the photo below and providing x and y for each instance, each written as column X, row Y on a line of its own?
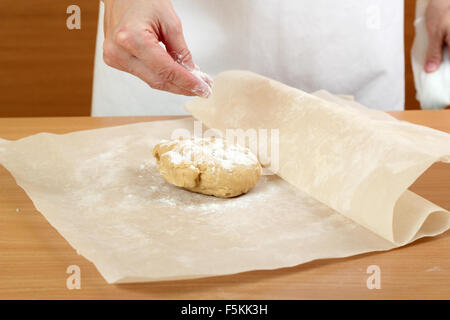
column 34, row 257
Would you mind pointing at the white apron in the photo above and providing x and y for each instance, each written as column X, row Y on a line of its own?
column 352, row 47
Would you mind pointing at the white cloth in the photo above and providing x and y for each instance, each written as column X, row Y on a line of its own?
column 433, row 89
column 352, row 47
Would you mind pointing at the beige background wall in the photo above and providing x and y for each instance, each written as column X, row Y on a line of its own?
column 46, row 69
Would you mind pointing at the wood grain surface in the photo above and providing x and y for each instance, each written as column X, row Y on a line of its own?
column 45, row 68
column 34, row 257
column 411, row 102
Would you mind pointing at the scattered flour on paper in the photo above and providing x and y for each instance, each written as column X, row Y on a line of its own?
column 127, row 197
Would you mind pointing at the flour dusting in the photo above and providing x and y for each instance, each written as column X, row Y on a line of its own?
column 212, row 151
column 206, row 81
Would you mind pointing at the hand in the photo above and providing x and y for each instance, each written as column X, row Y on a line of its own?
column 133, row 30
column 438, row 26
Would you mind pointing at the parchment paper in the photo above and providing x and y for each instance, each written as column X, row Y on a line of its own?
column 343, row 187
column 357, row 161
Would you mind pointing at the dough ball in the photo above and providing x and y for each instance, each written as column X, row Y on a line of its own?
column 208, row 165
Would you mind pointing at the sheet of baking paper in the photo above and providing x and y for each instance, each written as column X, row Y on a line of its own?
column 100, row 189
column 358, row 161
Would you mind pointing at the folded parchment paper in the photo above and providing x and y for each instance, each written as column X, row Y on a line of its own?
column 344, row 174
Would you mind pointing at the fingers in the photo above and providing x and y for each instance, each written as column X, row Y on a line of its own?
column 434, row 52
column 204, row 76
column 120, row 59
column 438, row 36
column 176, row 45
column 144, row 45
column 139, row 69
column 133, row 31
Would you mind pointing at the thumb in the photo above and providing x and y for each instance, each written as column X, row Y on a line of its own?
column 176, row 46
column 434, row 53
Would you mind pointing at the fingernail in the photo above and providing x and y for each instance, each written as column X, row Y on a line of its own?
column 431, row 66
column 202, row 90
